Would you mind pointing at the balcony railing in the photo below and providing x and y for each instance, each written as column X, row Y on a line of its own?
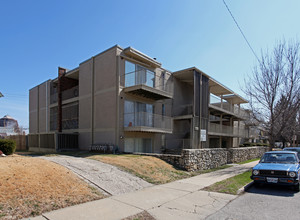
column 175, row 144
column 183, row 110
column 144, row 121
column 224, row 105
column 147, row 81
column 67, row 94
column 227, row 130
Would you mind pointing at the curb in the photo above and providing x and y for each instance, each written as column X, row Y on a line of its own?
column 245, row 188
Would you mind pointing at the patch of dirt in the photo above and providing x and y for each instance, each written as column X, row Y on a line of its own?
column 30, row 186
column 140, row 216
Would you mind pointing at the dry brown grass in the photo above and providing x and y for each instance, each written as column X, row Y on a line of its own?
column 30, row 186
column 149, row 168
column 140, row 216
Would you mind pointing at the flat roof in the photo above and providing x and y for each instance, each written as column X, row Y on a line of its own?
column 216, row 88
column 141, row 56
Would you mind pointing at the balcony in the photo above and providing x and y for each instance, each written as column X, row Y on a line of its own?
column 223, row 106
column 66, row 94
column 147, row 122
column 147, row 84
column 183, row 112
column 223, row 130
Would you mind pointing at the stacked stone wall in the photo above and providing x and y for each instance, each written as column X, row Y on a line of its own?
column 236, row 155
column 203, row 159
column 209, row 158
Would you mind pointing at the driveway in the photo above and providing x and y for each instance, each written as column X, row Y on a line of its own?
column 109, row 179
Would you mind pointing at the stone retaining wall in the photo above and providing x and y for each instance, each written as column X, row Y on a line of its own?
column 208, row 158
column 203, row 159
column 236, row 155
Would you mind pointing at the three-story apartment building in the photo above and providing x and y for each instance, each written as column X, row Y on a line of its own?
column 124, row 98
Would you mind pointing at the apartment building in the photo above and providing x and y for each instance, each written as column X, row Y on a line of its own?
column 122, row 97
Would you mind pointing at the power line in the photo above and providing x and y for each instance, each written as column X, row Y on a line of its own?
column 241, row 31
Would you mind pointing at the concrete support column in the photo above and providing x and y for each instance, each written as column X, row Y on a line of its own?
column 93, row 101
column 61, row 72
column 221, row 101
column 221, row 123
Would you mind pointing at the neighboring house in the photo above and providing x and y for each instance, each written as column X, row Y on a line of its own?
column 124, row 98
column 256, row 132
column 8, row 126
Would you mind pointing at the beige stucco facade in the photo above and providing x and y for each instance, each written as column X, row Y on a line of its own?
column 124, row 98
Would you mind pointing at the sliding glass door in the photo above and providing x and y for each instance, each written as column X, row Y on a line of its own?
column 142, row 145
column 138, row 114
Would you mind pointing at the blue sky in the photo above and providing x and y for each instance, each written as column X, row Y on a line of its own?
column 38, row 36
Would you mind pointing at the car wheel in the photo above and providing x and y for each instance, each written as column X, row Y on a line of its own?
column 296, row 187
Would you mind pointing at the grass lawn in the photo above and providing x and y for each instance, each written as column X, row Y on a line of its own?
column 151, row 169
column 231, row 185
column 30, row 186
column 248, row 161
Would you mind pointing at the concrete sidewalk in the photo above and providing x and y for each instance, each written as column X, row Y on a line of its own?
column 182, row 199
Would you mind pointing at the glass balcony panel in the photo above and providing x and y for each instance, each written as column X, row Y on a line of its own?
column 145, row 119
column 136, row 75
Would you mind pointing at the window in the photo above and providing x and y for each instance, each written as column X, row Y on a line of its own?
column 136, row 74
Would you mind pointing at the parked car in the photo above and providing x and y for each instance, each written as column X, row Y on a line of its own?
column 277, row 167
column 296, row 149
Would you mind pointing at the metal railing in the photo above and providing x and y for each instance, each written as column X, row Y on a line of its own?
column 145, row 119
column 216, row 101
column 227, row 130
column 53, row 141
column 66, row 94
column 66, row 141
column 178, row 144
column 161, row 82
column 183, row 110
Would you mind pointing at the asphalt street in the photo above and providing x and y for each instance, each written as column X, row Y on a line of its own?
column 266, row 202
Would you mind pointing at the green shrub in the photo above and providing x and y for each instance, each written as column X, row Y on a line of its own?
column 241, row 145
column 247, row 144
column 7, row 146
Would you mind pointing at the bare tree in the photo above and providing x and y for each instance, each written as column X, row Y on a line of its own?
column 288, row 117
column 276, row 76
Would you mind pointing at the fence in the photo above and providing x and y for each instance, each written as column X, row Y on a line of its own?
column 52, row 141
column 21, row 143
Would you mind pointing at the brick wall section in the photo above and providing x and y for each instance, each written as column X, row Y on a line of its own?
column 236, row 155
column 203, row 159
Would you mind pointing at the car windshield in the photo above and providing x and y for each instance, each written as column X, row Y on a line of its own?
column 278, row 158
column 293, row 149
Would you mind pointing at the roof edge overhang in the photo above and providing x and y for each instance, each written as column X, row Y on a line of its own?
column 133, row 53
column 216, row 88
